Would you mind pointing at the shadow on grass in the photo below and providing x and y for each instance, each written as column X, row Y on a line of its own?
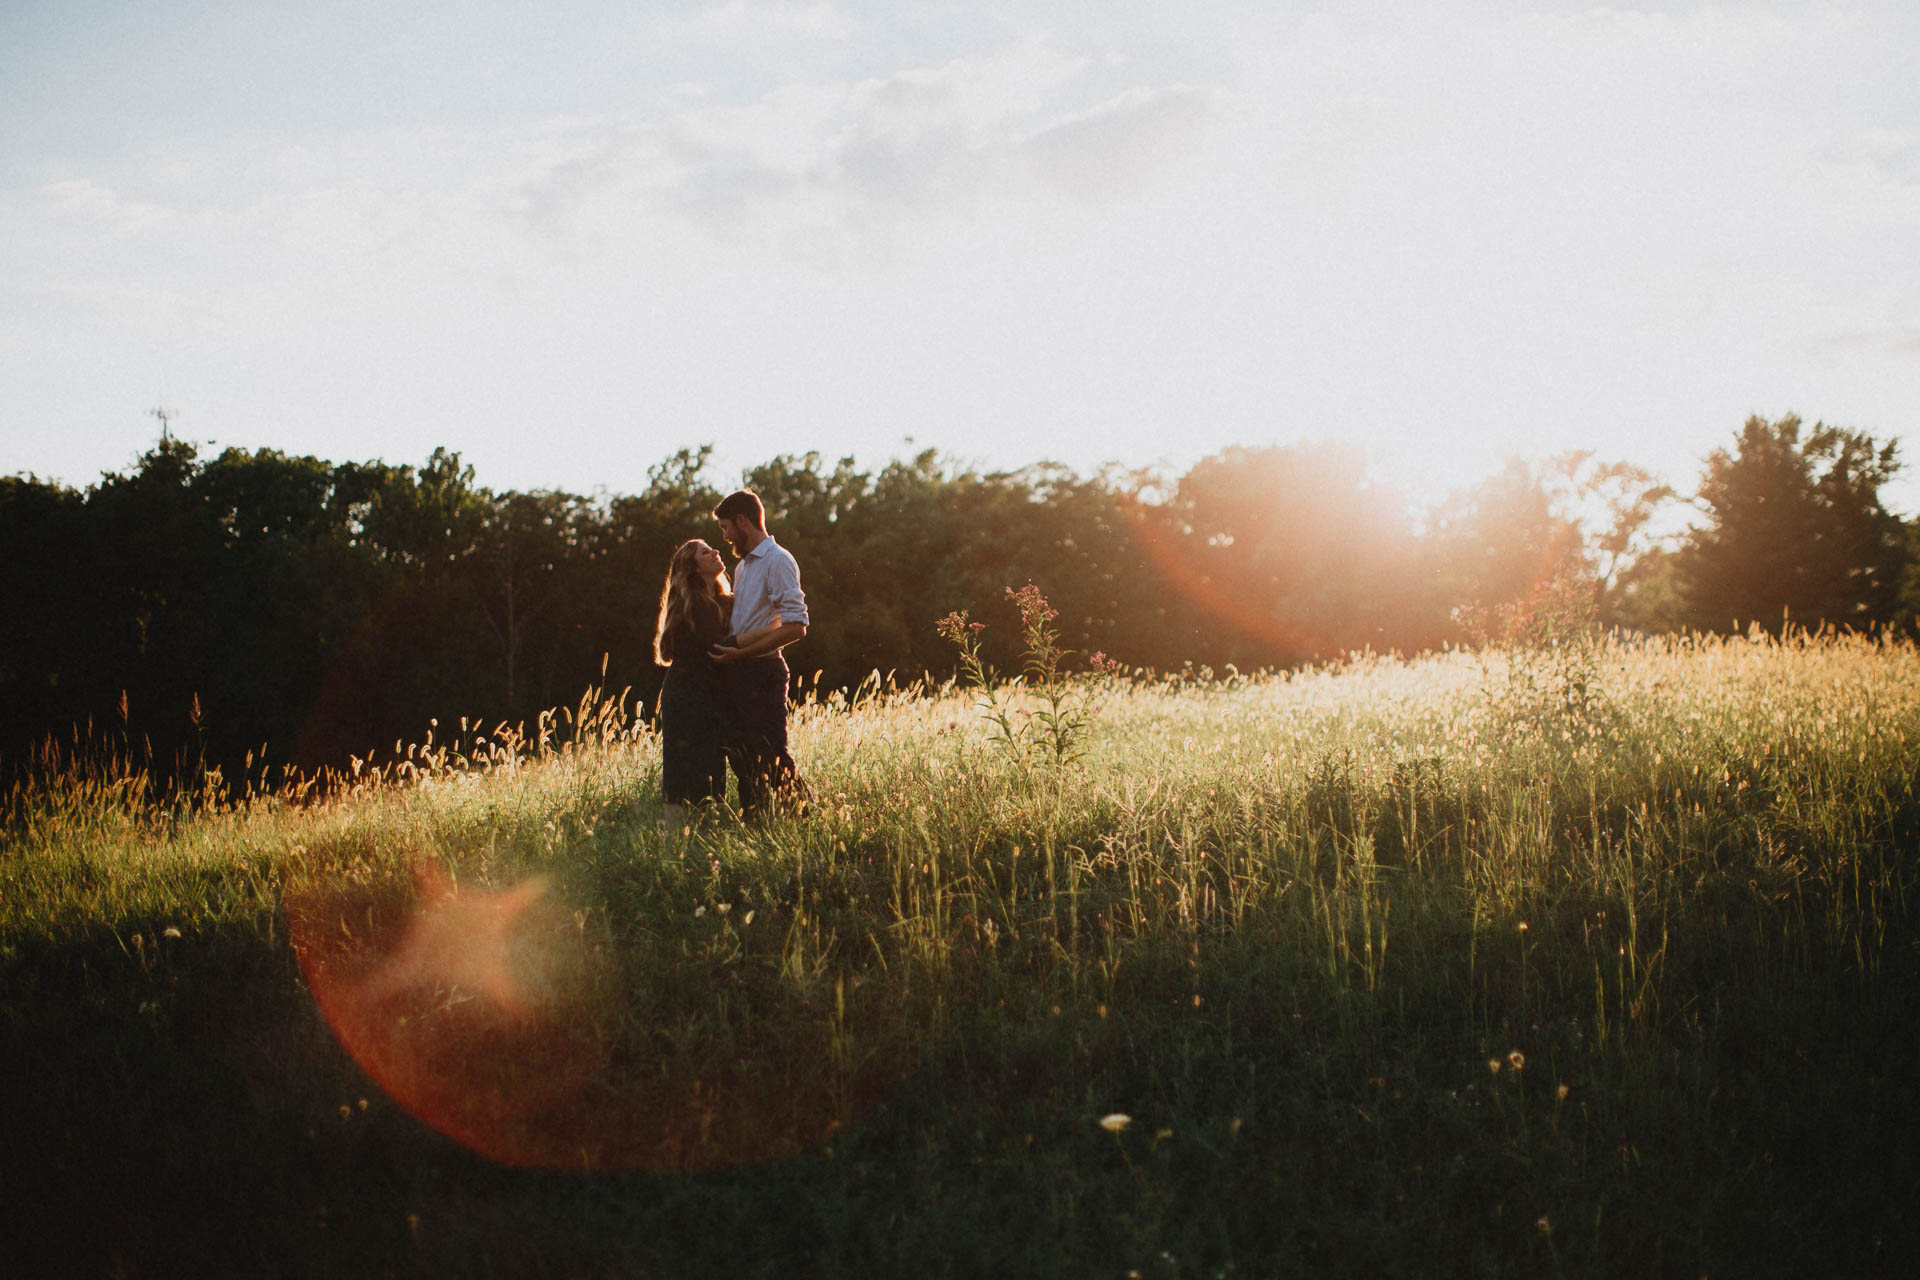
column 180, row 1106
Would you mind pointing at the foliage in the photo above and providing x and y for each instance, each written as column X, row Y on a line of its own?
column 1796, row 531
column 1298, row 551
column 1547, row 646
column 317, row 611
column 1624, row 509
column 1053, row 728
column 1497, row 541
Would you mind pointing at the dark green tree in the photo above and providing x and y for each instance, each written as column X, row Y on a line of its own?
column 1795, row 531
column 1907, row 612
column 46, row 644
column 420, row 647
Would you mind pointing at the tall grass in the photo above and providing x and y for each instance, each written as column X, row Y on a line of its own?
column 1387, row 967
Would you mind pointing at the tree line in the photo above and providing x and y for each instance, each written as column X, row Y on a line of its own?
column 254, row 610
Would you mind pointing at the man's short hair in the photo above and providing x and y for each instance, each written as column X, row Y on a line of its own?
column 739, row 503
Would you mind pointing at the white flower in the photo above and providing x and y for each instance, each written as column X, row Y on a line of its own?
column 1115, row 1122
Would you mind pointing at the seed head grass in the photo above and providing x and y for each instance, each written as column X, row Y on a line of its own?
column 1343, row 969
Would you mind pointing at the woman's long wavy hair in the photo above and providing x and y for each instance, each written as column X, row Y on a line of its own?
column 683, row 593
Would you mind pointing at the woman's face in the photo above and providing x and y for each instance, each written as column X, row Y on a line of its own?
column 707, row 562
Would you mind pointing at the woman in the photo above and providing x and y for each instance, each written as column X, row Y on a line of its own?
column 696, row 604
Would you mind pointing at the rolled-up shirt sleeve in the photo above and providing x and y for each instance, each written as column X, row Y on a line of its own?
column 783, row 590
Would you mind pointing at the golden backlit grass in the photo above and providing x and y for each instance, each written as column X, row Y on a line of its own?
column 1540, row 955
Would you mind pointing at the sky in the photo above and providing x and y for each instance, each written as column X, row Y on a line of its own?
column 567, row 240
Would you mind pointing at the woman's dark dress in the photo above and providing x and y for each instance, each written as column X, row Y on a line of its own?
column 694, row 721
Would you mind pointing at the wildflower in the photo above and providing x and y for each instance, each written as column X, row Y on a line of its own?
column 1493, row 1066
column 699, row 911
column 1518, row 1059
column 170, row 932
column 1561, row 1093
column 1116, row 1121
column 1032, row 605
column 1542, row 1223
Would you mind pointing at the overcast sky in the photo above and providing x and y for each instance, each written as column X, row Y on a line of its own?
column 568, row 239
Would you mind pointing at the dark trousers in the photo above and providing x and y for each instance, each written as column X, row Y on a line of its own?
column 757, row 689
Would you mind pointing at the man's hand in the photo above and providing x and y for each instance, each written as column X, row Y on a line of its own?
column 767, row 640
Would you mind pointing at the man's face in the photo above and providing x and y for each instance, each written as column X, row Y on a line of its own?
column 734, row 530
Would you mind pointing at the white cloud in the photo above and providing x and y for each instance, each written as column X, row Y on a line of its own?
column 739, row 23
column 749, row 44
column 848, row 174
column 1112, row 150
column 1442, row 235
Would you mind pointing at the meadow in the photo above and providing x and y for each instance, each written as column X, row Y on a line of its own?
column 1596, row 960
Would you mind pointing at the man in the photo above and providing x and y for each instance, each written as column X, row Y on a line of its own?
column 769, row 613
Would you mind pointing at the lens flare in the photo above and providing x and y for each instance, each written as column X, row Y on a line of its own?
column 496, row 1018
column 1178, row 560
column 1177, row 566
column 452, row 1005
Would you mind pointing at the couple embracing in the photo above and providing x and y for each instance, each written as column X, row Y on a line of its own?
column 725, row 697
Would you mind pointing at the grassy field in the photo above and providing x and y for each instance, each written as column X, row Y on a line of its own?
column 1593, row 963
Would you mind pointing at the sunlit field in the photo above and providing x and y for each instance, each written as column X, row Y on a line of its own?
column 1585, row 962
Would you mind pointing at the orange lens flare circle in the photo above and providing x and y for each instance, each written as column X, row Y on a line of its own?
column 1176, row 565
column 498, row 1020
column 1172, row 556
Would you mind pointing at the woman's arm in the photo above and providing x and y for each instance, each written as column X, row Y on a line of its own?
column 755, row 637
column 755, row 643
